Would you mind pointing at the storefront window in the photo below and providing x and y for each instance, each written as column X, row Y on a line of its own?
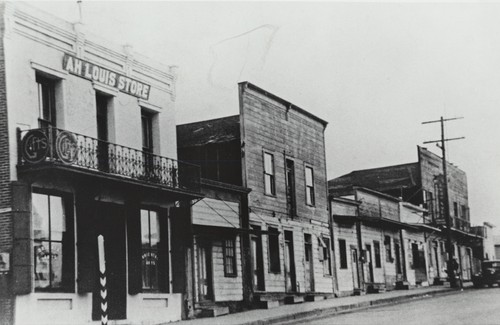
column 150, row 237
column 52, row 243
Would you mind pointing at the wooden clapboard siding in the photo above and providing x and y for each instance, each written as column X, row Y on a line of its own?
column 349, row 234
column 226, row 288
column 369, row 235
column 322, row 282
column 377, row 206
column 287, row 135
column 204, row 215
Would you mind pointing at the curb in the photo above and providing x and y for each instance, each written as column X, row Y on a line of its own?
column 330, row 311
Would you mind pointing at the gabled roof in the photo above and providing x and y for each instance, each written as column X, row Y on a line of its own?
column 201, row 133
column 380, row 179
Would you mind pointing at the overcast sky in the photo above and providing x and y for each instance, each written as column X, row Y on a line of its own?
column 375, row 71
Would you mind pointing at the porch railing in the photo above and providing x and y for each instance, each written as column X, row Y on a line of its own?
column 51, row 145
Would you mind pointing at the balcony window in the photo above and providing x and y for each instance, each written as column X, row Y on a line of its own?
column 53, row 243
column 46, row 101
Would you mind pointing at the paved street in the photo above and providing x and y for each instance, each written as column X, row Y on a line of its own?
column 475, row 306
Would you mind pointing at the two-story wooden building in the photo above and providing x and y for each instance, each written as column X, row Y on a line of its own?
column 87, row 148
column 277, row 150
column 421, row 183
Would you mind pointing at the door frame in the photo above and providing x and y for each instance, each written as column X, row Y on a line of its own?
column 290, row 261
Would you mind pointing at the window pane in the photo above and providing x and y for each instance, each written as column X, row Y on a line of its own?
column 309, row 176
column 145, row 228
column 57, row 218
column 40, row 212
column 268, row 163
column 154, row 228
column 42, row 265
column 146, row 280
column 268, row 184
column 308, row 196
column 56, row 261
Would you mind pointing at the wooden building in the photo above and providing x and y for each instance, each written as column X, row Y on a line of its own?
column 421, row 184
column 277, row 150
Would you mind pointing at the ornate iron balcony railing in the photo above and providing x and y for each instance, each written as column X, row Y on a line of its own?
column 51, row 145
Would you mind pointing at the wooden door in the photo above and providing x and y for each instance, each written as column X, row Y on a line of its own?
column 204, row 271
column 309, row 268
column 368, row 263
column 111, row 224
column 257, row 264
column 354, row 267
column 290, row 277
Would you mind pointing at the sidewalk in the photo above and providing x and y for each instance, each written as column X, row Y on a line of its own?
column 321, row 308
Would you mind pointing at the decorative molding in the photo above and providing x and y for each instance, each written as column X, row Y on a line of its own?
column 61, row 74
column 105, row 89
column 145, row 104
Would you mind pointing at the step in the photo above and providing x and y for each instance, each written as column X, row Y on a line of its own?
column 268, row 304
column 402, row 285
column 214, row 311
column 314, row 297
column 290, row 300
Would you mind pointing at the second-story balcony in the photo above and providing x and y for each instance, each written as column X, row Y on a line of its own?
column 61, row 148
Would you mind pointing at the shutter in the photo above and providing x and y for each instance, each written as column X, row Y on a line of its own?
column 180, row 222
column 134, row 247
column 86, row 241
column 22, row 260
column 163, row 274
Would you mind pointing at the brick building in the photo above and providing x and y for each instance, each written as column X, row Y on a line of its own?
column 421, row 184
column 277, row 150
column 88, row 148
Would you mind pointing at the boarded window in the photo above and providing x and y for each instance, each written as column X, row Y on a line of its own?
column 274, row 250
column 229, row 249
column 376, row 246
column 343, row 254
column 269, row 185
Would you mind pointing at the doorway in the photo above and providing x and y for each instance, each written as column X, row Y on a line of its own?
column 111, row 225
column 257, row 264
column 204, row 264
column 102, row 132
column 354, row 267
column 309, row 268
column 368, row 263
column 290, row 277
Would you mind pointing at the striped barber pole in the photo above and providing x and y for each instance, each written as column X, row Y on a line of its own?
column 102, row 278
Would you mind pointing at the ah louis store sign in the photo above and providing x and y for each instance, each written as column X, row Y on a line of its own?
column 104, row 76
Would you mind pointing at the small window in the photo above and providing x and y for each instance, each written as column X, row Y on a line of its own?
column 274, row 250
column 150, row 237
column 343, row 254
column 46, row 101
column 327, row 261
column 269, row 185
column 376, row 246
column 53, row 243
column 388, row 250
column 464, row 212
column 229, row 249
column 310, row 200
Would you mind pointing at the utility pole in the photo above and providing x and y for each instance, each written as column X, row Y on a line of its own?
column 449, row 244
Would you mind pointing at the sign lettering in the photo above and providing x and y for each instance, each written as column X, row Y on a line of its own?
column 35, row 146
column 93, row 72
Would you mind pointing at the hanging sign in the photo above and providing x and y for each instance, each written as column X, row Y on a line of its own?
column 91, row 71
